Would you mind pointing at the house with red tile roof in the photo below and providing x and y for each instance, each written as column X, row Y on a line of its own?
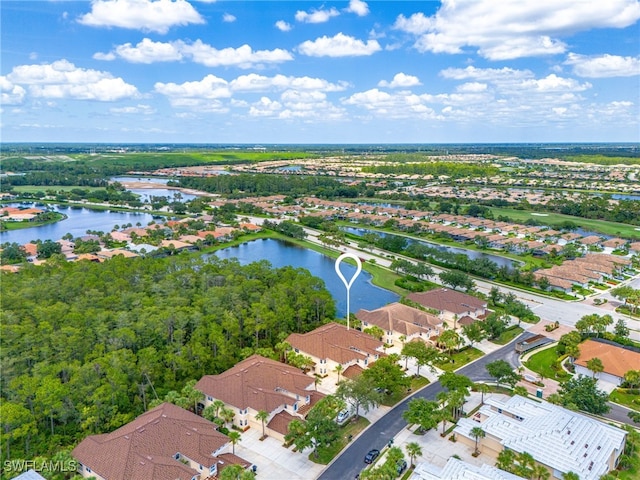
column 451, row 304
column 332, row 344
column 258, row 383
column 401, row 323
column 616, row 360
column 165, row 443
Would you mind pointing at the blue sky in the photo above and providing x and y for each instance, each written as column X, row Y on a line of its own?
column 190, row 71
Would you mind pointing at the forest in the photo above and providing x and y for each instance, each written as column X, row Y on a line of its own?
column 86, row 347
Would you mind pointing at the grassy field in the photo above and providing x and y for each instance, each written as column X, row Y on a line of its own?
column 55, row 188
column 325, row 455
column 551, row 219
column 627, row 399
column 508, row 335
column 543, row 363
column 459, row 359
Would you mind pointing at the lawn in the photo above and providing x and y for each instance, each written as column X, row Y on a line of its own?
column 627, row 399
column 55, row 188
column 325, row 455
column 416, row 384
column 459, row 359
column 544, row 363
column 508, row 335
column 551, row 219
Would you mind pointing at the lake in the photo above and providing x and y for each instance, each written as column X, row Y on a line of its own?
column 78, row 221
column 280, row 253
column 471, row 254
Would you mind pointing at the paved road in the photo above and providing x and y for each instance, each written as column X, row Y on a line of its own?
column 350, row 462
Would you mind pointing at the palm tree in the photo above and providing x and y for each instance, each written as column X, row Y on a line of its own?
column 217, row 405
column 477, row 433
column 540, row 473
column 262, row 416
column 482, row 388
column 317, row 380
column 235, row 438
column 505, row 460
column 595, row 365
column 520, row 390
column 227, row 414
column 413, row 450
column 339, row 368
column 570, row 476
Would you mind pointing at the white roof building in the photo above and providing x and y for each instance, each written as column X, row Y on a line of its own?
column 562, row 440
column 458, row 470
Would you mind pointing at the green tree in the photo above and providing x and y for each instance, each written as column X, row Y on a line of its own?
column 506, row 460
column 227, row 414
column 339, row 368
column 455, row 382
column 13, row 253
column 359, row 392
column 236, row 472
column 503, row 372
column 423, row 354
column 262, row 416
column 483, row 388
column 520, row 390
column 632, row 379
column 582, row 393
column 474, row 332
column 422, row 412
column 494, row 325
column 375, row 331
column 387, row 375
column 48, row 248
column 234, row 438
column 17, row 424
column 570, row 476
column 456, row 278
column 629, row 295
column 450, row 339
column 620, row 329
column 319, row 430
column 477, row 433
column 413, row 450
column 539, row 472
column 595, row 365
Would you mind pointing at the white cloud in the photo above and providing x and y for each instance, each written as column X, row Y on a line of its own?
column 602, row 66
column 137, row 109
column 228, row 18
column 145, row 15
column 472, row 87
column 62, row 79
column 400, row 80
column 416, row 24
column 283, row 26
column 513, row 28
column 316, row 16
column 340, row 45
column 486, row 74
column 255, row 82
column 210, row 87
column 397, row 105
column 10, row 94
column 265, row 107
column 358, row 7
column 148, row 51
column 553, row 83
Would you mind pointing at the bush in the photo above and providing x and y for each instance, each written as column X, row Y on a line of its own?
column 409, row 285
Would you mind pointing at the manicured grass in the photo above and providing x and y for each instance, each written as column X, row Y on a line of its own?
column 8, row 225
column 552, row 219
column 627, row 399
column 543, row 363
column 508, row 335
column 459, row 359
column 325, row 455
column 55, row 188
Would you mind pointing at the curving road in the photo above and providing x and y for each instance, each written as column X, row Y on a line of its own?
column 350, row 461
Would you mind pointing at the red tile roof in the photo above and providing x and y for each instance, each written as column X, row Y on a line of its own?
column 616, row 360
column 447, row 300
column 145, row 447
column 258, row 383
column 334, row 342
column 400, row 318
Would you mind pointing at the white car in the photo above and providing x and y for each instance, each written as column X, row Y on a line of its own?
column 343, row 416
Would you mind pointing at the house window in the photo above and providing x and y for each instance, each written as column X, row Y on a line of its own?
column 366, row 361
column 295, row 407
column 297, row 350
column 200, row 466
column 88, row 470
column 210, row 399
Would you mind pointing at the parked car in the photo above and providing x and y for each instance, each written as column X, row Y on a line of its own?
column 343, row 416
column 401, row 466
column 371, row 455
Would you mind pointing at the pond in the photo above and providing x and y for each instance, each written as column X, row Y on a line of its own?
column 471, row 254
column 280, row 253
column 78, row 221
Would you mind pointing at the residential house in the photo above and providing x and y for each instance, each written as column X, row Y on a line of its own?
column 401, row 323
column 616, row 360
column 456, row 469
column 333, row 344
column 258, row 383
column 451, row 305
column 558, row 439
column 165, row 443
